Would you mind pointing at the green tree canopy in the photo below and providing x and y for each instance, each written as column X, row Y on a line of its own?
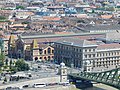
column 2, row 18
column 21, row 65
column 2, row 57
column 6, row 62
column 25, row 22
column 20, row 7
column 1, row 63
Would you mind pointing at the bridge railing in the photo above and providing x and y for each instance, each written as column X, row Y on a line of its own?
column 111, row 77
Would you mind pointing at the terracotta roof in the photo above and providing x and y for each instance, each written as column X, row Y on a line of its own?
column 5, row 11
column 8, row 36
column 51, row 18
column 15, row 25
column 106, row 16
column 53, row 39
column 55, row 7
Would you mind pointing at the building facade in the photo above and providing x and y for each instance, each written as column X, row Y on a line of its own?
column 30, row 50
column 87, row 55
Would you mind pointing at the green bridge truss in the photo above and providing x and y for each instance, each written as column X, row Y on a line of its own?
column 111, row 77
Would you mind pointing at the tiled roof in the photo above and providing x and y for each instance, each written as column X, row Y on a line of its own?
column 47, row 38
column 63, row 32
column 6, row 37
column 62, row 0
column 76, row 42
column 55, row 7
column 18, row 25
column 42, row 46
column 108, row 46
column 106, row 16
column 101, row 27
column 113, row 36
column 51, row 18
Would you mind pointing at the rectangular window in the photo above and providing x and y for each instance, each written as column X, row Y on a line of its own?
column 85, row 56
column 89, row 55
column 79, row 50
column 89, row 50
column 93, row 55
column 52, row 51
column 103, row 54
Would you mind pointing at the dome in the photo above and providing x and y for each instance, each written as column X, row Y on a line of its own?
column 62, row 64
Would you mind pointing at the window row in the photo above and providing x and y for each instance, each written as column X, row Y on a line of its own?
column 76, row 49
column 89, row 55
column 107, row 54
column 112, row 58
column 45, row 58
column 89, row 50
column 49, row 51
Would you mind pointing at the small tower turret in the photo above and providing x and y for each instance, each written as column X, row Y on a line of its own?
column 11, row 46
column 63, row 73
column 35, row 50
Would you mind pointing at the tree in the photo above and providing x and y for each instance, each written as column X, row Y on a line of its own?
column 25, row 22
column 10, row 64
column 5, row 80
column 2, row 17
column 1, row 63
column 13, row 69
column 2, row 58
column 21, row 65
column 20, row 7
column 17, row 79
column 6, row 62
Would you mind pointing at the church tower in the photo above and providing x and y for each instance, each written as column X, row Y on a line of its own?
column 63, row 73
column 35, row 50
column 11, row 46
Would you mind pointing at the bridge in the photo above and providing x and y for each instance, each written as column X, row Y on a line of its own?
column 111, row 77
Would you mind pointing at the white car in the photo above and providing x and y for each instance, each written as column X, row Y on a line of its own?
column 38, row 85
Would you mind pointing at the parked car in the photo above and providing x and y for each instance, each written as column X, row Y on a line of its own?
column 38, row 85
column 13, row 88
column 25, row 86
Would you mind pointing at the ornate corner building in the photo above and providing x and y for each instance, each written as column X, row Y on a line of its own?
column 29, row 50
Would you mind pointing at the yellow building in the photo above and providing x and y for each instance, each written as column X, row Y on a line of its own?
column 11, row 46
column 30, row 50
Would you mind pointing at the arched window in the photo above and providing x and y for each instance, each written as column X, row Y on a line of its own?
column 36, row 58
column 52, row 51
column 40, row 57
column 45, row 58
column 52, row 56
column 45, row 52
column 48, row 57
column 49, row 50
